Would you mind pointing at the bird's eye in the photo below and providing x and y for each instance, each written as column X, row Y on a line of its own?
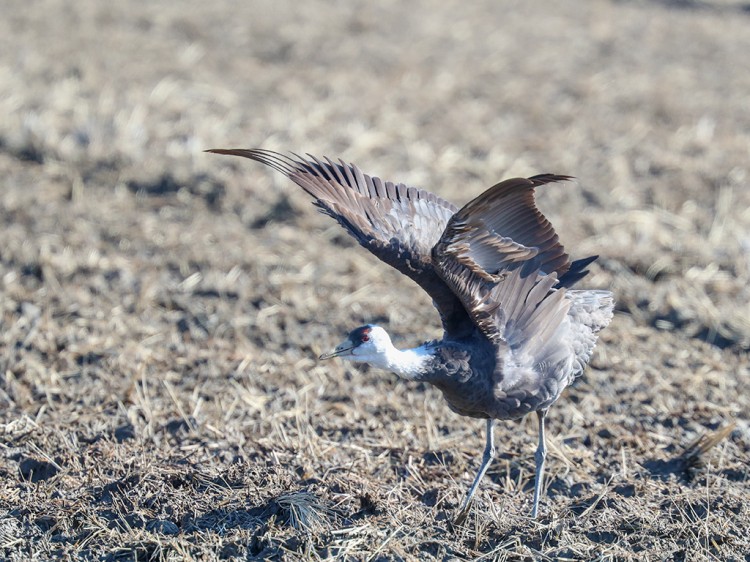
column 365, row 337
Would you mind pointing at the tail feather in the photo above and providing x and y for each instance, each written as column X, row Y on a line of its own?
column 590, row 312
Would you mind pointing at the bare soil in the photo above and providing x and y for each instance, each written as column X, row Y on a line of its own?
column 161, row 309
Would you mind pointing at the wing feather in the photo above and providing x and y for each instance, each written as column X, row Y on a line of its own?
column 398, row 224
column 496, row 264
column 503, row 226
column 495, row 250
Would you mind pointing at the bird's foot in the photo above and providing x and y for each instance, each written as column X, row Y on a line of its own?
column 462, row 514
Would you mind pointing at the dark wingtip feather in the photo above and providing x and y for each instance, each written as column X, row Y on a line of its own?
column 583, row 262
column 541, row 179
column 275, row 160
column 576, row 272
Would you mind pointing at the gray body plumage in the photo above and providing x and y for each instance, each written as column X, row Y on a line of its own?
column 515, row 333
column 521, row 382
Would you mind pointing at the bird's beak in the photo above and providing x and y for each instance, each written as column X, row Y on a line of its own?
column 342, row 350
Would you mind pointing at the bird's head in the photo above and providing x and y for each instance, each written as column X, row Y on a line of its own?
column 366, row 343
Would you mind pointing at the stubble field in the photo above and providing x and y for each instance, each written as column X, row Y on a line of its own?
column 162, row 309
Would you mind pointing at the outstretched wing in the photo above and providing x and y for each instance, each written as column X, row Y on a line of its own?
column 495, row 235
column 399, row 224
column 501, row 227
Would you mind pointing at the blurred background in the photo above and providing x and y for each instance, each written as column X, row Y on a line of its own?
column 145, row 283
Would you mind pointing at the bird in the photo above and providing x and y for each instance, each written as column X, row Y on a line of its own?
column 515, row 331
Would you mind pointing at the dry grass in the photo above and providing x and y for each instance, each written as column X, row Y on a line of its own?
column 162, row 309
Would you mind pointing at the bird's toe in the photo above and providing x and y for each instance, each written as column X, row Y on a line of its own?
column 462, row 515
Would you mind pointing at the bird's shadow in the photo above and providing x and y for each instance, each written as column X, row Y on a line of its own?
column 693, row 456
column 661, row 469
column 258, row 520
column 686, row 470
column 250, row 518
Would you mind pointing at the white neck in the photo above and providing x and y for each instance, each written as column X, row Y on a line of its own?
column 407, row 364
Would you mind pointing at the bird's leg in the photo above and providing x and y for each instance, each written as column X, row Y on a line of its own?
column 489, row 454
column 541, row 454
